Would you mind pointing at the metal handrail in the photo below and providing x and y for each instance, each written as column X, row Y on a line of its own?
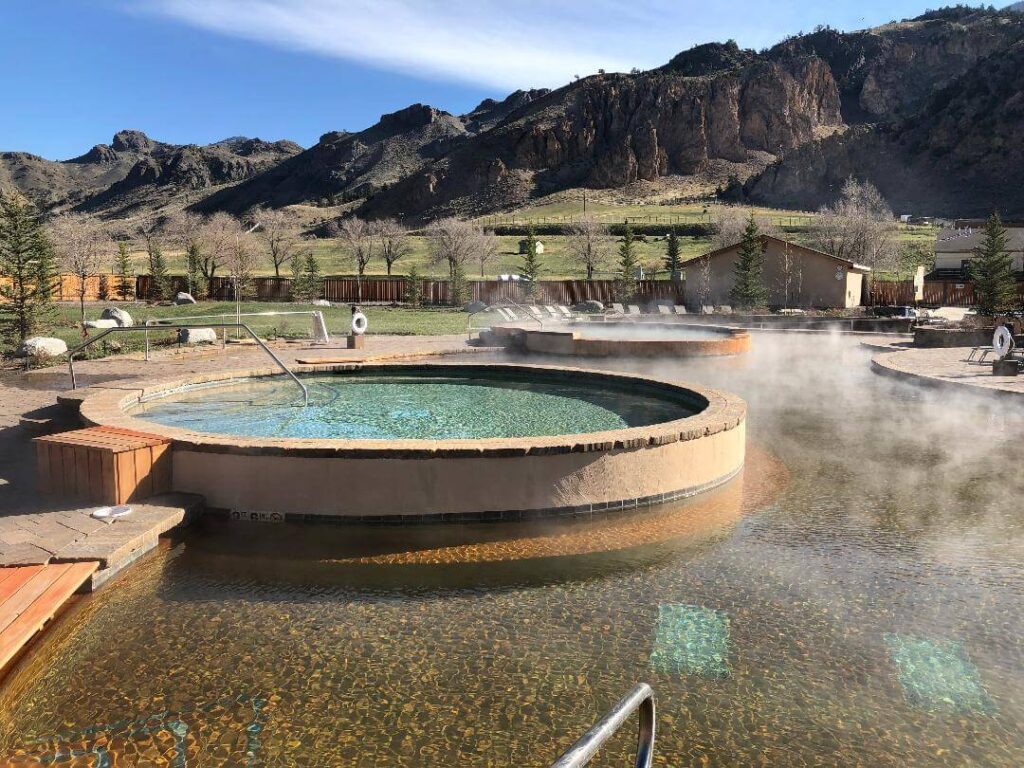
column 640, row 698
column 146, row 328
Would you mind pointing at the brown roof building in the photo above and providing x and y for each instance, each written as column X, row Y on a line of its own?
column 795, row 276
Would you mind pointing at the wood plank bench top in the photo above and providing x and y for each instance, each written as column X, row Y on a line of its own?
column 113, row 439
column 30, row 596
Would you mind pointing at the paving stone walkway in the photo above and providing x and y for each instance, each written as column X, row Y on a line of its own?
column 947, row 367
column 36, row 530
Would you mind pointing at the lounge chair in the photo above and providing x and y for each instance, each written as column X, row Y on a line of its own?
column 617, row 308
column 725, row 309
column 535, row 312
column 566, row 312
column 663, row 310
column 552, row 311
column 707, row 309
column 633, row 309
column 679, row 309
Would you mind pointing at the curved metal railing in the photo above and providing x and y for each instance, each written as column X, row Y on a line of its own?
column 147, row 328
column 640, row 698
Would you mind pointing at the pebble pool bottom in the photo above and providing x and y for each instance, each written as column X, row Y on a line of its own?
column 866, row 612
column 389, row 407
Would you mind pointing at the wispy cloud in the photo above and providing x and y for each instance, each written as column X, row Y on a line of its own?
column 524, row 43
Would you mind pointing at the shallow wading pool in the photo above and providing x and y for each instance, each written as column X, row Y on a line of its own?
column 852, row 598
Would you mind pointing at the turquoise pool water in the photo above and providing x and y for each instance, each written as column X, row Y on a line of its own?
column 369, row 406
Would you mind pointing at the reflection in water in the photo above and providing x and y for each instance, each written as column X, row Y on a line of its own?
column 865, row 611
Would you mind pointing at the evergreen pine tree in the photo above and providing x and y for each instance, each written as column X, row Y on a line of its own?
column 459, row 287
column 309, row 284
column 160, row 281
column 123, row 271
column 413, row 288
column 748, row 290
column 992, row 271
column 27, row 263
column 672, row 261
column 626, row 285
column 531, row 263
column 194, row 271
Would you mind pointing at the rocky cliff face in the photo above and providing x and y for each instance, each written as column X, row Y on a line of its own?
column 135, row 173
column 960, row 155
column 611, row 130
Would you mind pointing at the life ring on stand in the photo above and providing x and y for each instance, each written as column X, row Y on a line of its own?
column 359, row 323
column 1002, row 342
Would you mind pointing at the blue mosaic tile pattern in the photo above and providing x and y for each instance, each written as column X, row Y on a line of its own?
column 938, row 675
column 690, row 640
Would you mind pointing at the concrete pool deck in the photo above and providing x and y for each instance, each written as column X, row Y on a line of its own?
column 946, row 368
column 36, row 530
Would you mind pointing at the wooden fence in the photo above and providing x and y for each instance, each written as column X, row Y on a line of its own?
column 97, row 288
column 939, row 293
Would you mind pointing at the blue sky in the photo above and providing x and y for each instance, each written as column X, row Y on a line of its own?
column 196, row 71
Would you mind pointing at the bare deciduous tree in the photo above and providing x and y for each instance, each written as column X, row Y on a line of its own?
column 394, row 241
column 240, row 261
column 859, row 227
column 589, row 244
column 731, row 221
column 358, row 240
column 456, row 243
column 218, row 235
column 186, row 230
column 280, row 235
column 79, row 242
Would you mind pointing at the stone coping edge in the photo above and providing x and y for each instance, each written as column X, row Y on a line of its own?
column 883, row 368
column 721, row 412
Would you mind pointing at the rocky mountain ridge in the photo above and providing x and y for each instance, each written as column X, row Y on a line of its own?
column 792, row 121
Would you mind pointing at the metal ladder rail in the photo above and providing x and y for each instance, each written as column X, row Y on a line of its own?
column 640, row 698
column 147, row 328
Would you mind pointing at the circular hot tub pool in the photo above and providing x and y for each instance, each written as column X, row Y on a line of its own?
column 394, row 442
column 624, row 338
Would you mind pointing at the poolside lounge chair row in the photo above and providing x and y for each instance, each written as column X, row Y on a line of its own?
column 633, row 309
column 542, row 313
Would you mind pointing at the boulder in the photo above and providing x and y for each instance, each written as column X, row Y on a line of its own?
column 476, row 306
column 183, row 298
column 122, row 318
column 321, row 303
column 41, row 347
column 589, row 307
column 100, row 324
column 197, row 336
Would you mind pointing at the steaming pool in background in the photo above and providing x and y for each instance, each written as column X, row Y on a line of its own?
column 867, row 611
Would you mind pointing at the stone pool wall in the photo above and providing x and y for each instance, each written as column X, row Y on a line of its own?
column 728, row 341
column 389, row 481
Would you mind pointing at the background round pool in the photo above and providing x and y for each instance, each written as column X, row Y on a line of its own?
column 429, row 407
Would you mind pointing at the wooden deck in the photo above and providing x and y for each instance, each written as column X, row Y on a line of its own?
column 30, row 596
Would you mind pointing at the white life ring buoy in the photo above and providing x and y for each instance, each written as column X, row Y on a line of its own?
column 359, row 323
column 1002, row 342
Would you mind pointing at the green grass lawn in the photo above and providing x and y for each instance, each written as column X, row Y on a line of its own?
column 405, row 321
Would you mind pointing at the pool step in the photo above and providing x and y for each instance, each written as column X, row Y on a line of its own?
column 30, row 596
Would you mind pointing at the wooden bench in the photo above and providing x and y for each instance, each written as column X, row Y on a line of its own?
column 104, row 465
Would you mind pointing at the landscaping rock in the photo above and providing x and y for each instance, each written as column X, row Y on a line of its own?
column 476, row 306
column 589, row 306
column 101, row 324
column 321, row 303
column 183, row 298
column 42, row 347
column 197, row 336
column 122, row 318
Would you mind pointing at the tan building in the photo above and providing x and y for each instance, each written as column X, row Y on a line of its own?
column 954, row 249
column 795, row 276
